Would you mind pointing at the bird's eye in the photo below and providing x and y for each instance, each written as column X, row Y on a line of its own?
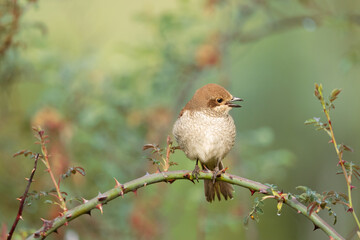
column 219, row 100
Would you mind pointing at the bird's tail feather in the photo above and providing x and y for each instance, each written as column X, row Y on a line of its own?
column 218, row 188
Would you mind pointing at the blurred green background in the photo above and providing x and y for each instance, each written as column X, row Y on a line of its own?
column 106, row 77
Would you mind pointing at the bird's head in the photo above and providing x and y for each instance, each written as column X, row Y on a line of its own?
column 213, row 99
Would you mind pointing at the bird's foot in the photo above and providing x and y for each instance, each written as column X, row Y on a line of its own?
column 223, row 170
column 216, row 173
column 196, row 172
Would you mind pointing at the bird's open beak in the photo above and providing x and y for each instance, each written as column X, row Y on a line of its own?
column 234, row 99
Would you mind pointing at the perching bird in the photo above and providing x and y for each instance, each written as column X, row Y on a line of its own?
column 206, row 132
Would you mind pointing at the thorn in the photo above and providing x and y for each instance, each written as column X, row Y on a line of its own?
column 341, row 162
column 117, row 184
column 44, row 220
column 316, row 227
column 350, row 210
column 170, row 181
column 99, row 206
column 298, row 212
column 47, row 224
column 231, row 177
column 19, row 198
column 68, row 216
column 121, row 193
column 84, row 200
column 263, row 191
column 331, row 141
column 135, row 192
column 352, row 187
column 37, row 235
column 101, row 197
column 252, row 191
column 66, row 223
column 27, row 179
column 189, row 177
column 145, row 184
column 21, row 218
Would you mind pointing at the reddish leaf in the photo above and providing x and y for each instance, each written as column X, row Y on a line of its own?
column 334, row 94
column 148, row 146
column 80, row 170
column 347, row 148
column 22, row 152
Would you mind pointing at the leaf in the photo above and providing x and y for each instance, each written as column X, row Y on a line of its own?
column 334, row 94
column 246, row 220
column 347, row 148
column 331, row 212
column 154, row 161
column 279, row 207
column 149, row 146
column 23, row 152
column 259, row 210
column 302, row 188
column 80, row 170
column 312, row 206
column 342, row 147
column 318, row 91
column 310, row 121
column 48, row 202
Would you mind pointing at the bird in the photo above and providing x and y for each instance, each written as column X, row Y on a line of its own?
column 206, row 132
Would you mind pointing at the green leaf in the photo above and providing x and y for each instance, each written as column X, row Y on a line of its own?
column 246, row 220
column 310, row 121
column 302, row 188
column 259, row 210
column 48, row 202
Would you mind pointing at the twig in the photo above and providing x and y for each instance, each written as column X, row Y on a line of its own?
column 339, row 154
column 43, row 142
column 121, row 189
column 8, row 41
column 22, row 200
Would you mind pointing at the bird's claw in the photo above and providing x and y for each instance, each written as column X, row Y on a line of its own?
column 196, row 172
column 215, row 174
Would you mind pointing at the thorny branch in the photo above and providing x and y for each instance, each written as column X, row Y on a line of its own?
column 50, row 226
column 22, row 199
column 40, row 135
column 348, row 176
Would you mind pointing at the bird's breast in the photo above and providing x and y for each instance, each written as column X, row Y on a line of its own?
column 205, row 137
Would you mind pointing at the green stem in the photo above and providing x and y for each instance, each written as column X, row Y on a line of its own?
column 338, row 153
column 119, row 190
column 48, row 169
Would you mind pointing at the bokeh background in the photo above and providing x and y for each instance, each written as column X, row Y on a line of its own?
column 106, row 77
